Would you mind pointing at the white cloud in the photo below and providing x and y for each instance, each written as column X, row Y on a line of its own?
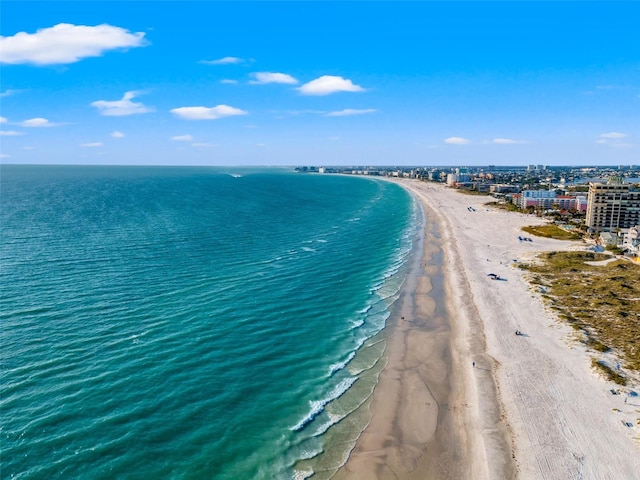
column 261, row 145
column 614, row 139
column 91, row 144
column 507, row 141
column 204, row 144
column 4, row 155
column 229, row 81
column 328, row 84
column 207, row 113
column 223, row 61
column 117, row 134
column 28, row 147
column 456, row 141
column 122, row 107
column 9, row 92
column 272, row 77
column 4, row 119
column 182, row 138
column 613, row 135
column 350, row 111
column 37, row 122
column 10, row 133
column 66, row 43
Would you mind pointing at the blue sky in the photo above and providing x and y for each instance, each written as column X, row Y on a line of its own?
column 322, row 83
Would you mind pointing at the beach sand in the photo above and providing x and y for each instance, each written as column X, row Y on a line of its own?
column 462, row 396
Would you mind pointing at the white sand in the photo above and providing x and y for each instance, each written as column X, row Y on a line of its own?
column 563, row 421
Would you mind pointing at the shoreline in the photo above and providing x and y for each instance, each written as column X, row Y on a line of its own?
column 530, row 407
column 422, row 422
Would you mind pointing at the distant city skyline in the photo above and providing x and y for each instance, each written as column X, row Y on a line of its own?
column 320, row 83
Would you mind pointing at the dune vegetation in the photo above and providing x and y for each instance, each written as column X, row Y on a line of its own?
column 598, row 295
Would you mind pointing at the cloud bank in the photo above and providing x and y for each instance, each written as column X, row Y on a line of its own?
column 66, row 43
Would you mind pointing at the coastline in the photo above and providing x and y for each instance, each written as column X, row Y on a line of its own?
column 530, row 407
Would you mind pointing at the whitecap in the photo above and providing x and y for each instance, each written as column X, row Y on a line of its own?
column 302, row 474
column 317, row 406
column 340, row 365
column 357, row 324
column 333, row 419
column 309, row 454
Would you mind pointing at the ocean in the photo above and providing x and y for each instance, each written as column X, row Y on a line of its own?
column 192, row 322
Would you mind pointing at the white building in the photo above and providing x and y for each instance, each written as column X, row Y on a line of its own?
column 631, row 241
column 537, row 198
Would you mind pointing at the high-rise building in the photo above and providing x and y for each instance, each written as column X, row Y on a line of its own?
column 612, row 206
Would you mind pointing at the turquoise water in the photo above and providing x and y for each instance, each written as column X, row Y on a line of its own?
column 192, row 323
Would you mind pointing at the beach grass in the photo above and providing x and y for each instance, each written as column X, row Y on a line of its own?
column 466, row 191
column 602, row 300
column 609, row 372
column 504, row 206
column 551, row 231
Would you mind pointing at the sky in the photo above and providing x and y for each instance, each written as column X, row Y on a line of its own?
column 320, row 83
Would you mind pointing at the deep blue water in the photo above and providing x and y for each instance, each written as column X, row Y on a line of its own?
column 191, row 323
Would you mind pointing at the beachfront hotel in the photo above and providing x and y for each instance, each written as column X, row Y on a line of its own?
column 613, row 206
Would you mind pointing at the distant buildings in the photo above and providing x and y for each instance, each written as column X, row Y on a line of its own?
column 612, row 207
column 504, row 188
column 461, row 175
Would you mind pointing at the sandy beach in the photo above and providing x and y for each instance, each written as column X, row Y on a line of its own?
column 462, row 396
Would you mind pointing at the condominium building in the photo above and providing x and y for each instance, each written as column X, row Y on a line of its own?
column 612, row 206
column 537, row 198
column 547, row 199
